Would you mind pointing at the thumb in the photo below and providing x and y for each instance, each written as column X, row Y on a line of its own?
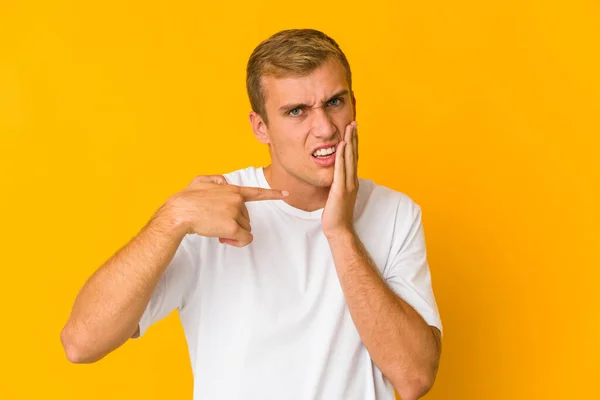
column 201, row 181
column 218, row 179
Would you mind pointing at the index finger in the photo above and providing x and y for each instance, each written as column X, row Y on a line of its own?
column 256, row 193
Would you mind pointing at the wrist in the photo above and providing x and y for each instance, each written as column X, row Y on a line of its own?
column 171, row 220
column 342, row 235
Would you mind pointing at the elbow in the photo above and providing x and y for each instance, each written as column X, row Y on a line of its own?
column 413, row 390
column 416, row 382
column 416, row 387
column 74, row 349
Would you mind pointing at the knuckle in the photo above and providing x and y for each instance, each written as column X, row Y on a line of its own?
column 233, row 228
column 232, row 211
column 238, row 198
column 245, row 240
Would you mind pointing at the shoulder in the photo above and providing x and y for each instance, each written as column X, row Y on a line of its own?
column 387, row 199
column 242, row 177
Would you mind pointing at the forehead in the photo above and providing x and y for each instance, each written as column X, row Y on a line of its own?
column 318, row 85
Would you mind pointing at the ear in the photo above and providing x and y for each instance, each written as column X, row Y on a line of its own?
column 259, row 127
column 353, row 106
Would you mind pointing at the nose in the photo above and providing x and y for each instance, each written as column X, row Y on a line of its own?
column 322, row 124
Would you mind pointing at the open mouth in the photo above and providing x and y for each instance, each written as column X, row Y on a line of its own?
column 325, row 157
column 324, row 153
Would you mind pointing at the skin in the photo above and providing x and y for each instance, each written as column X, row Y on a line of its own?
column 400, row 342
column 292, row 138
column 109, row 306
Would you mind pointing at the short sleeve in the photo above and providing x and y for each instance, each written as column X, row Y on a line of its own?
column 173, row 287
column 407, row 271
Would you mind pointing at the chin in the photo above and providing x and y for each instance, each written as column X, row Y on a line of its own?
column 324, row 179
column 321, row 178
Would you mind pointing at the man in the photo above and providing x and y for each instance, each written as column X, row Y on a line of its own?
column 319, row 289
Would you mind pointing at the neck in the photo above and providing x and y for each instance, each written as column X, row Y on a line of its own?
column 303, row 195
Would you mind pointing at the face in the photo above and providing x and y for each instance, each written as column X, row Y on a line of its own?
column 306, row 114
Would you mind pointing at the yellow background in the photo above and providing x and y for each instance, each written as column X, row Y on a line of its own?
column 485, row 113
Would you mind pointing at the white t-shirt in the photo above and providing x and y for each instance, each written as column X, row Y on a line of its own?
column 269, row 321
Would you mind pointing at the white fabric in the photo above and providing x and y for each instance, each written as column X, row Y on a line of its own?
column 269, row 321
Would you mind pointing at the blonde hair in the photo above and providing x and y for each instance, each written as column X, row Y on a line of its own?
column 292, row 52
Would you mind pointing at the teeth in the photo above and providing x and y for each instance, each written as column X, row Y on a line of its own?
column 324, row 152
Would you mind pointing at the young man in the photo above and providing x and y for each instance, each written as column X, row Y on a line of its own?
column 317, row 290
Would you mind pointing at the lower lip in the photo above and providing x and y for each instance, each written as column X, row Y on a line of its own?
column 325, row 161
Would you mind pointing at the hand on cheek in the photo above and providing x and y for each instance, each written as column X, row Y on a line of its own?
column 339, row 210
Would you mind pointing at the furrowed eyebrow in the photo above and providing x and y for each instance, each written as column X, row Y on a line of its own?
column 288, row 107
column 338, row 94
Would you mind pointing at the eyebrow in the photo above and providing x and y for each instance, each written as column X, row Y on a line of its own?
column 289, row 107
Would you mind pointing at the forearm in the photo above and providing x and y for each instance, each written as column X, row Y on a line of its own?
column 398, row 340
column 109, row 306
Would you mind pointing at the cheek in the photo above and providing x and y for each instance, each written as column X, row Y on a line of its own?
column 289, row 139
column 341, row 121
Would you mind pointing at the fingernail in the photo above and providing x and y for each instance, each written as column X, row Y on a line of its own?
column 285, row 193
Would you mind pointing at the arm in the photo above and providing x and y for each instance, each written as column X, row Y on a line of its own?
column 399, row 341
column 110, row 304
column 108, row 308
